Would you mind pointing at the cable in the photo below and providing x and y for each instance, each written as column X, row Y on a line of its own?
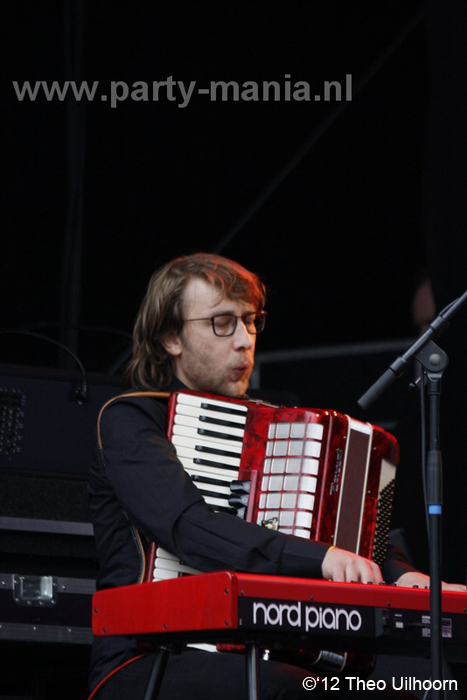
column 81, row 393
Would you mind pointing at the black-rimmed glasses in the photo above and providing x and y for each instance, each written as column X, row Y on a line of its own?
column 225, row 324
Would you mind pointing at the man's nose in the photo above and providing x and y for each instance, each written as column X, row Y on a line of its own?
column 242, row 338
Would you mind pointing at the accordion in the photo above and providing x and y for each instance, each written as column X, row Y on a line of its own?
column 310, row 473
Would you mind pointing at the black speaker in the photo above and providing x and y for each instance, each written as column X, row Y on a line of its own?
column 48, row 424
column 48, row 419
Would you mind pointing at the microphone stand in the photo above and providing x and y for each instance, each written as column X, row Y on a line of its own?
column 434, row 361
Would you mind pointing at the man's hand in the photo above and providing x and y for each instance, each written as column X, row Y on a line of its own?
column 415, row 578
column 340, row 565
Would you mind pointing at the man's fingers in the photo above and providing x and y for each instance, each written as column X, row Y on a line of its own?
column 340, row 565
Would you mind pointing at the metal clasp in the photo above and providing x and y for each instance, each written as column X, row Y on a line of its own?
column 34, row 591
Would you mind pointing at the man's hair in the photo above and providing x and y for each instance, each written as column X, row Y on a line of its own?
column 161, row 310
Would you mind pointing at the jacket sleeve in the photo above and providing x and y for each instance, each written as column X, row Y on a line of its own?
column 164, row 504
column 395, row 565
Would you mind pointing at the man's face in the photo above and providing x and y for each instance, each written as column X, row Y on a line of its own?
column 204, row 361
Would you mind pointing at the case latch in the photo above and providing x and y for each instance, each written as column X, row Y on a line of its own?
column 35, row 591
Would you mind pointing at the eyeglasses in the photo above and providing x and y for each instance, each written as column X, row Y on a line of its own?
column 225, row 324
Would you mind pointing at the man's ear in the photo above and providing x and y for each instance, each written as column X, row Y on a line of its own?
column 172, row 343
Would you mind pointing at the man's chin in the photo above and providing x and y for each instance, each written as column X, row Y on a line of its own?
column 235, row 390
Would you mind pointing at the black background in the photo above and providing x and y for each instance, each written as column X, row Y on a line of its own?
column 339, row 243
column 96, row 198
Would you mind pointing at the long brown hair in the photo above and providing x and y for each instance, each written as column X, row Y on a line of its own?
column 161, row 310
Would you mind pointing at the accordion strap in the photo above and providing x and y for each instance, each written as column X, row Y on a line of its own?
column 133, row 394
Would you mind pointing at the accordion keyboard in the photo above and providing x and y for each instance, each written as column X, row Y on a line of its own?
column 208, row 438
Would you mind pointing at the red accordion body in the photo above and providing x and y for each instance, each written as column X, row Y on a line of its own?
column 310, row 473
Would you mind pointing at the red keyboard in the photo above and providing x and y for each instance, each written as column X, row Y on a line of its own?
column 233, row 607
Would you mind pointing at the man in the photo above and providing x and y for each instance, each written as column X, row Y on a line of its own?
column 196, row 329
